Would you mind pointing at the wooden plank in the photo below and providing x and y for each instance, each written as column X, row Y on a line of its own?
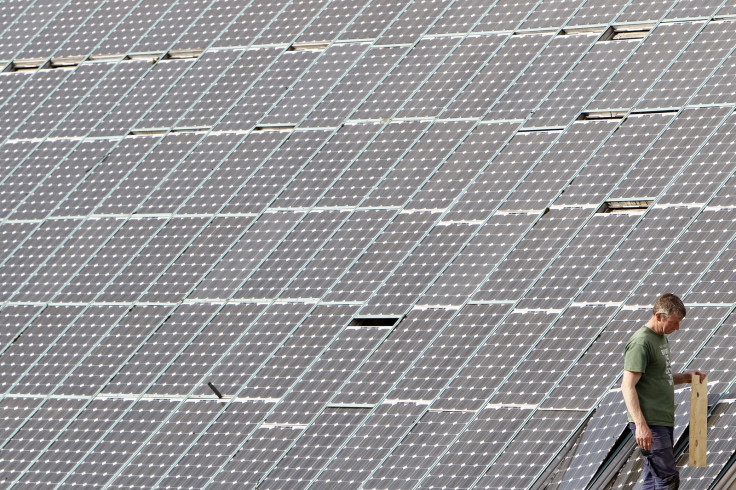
column 698, row 421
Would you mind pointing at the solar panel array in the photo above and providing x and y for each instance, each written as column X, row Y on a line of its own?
column 342, row 244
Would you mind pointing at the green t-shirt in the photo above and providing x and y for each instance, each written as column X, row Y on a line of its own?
column 648, row 353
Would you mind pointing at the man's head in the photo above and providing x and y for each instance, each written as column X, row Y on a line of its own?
column 667, row 314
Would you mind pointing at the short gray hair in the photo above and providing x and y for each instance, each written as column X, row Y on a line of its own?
column 668, row 304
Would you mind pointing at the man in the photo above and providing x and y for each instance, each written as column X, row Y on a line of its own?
column 648, row 387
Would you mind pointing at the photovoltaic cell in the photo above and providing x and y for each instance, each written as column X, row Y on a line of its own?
column 716, row 357
column 187, row 269
column 419, row 449
column 372, row 441
column 639, row 253
column 605, row 426
column 232, row 83
column 692, row 68
column 288, row 257
column 594, row 373
column 491, row 187
column 231, row 173
column 63, row 263
column 384, row 254
column 554, row 354
column 558, row 166
column 354, row 235
column 57, row 183
column 331, row 21
column 372, row 20
column 562, row 279
column 670, row 152
column 477, row 260
column 332, row 160
column 277, row 171
column 95, row 28
column 308, row 397
column 633, row 80
column 506, row 344
column 388, row 364
column 571, row 95
column 467, row 458
column 167, row 341
column 35, row 435
column 413, row 21
column 531, row 256
column 598, row 12
column 44, row 43
column 506, row 15
column 314, row 85
column 640, row 11
column 215, row 18
column 697, row 248
column 188, row 370
column 407, row 283
column 27, row 97
column 113, row 448
column 446, row 354
column 190, row 172
column 355, row 85
column 110, row 259
column 720, row 449
column 170, row 25
column 24, row 261
column 478, row 146
column 27, row 26
column 294, row 17
column 263, row 449
column 288, row 364
column 408, row 175
column 611, row 162
column 367, row 170
column 121, row 37
column 199, row 78
column 66, row 97
column 419, row 64
column 532, row 449
column 541, row 76
column 460, row 16
column 257, row 340
column 553, row 13
column 32, row 341
column 74, row 442
column 150, row 262
column 506, row 64
column 129, row 110
column 717, row 88
column 466, row 58
column 101, row 98
column 270, row 87
column 215, row 444
column 83, row 328
column 250, row 23
column 245, row 256
column 23, row 178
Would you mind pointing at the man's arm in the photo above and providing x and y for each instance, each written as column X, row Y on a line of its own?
column 687, row 376
column 628, row 388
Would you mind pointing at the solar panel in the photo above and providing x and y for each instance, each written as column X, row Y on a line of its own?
column 356, row 245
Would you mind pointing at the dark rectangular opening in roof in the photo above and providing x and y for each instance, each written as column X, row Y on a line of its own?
column 624, row 206
column 384, row 321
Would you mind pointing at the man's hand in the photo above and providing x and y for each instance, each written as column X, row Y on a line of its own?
column 687, row 376
column 644, row 436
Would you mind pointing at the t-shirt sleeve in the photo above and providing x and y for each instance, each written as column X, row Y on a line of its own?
column 636, row 358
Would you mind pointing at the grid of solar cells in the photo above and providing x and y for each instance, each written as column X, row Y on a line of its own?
column 347, row 245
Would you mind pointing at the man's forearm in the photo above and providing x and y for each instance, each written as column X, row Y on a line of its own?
column 632, row 404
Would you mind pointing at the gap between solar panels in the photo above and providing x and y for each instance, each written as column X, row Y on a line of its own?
column 375, row 321
column 624, row 206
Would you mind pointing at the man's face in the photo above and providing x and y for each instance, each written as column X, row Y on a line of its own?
column 667, row 325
